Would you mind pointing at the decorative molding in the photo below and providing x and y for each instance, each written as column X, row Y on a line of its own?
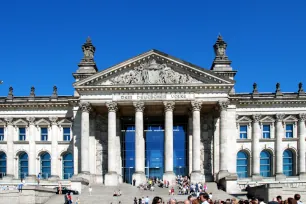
column 53, row 120
column 196, row 105
column 302, row 117
column 256, row 118
column 139, row 106
column 85, row 107
column 31, row 120
column 169, row 105
column 223, row 105
column 9, row 120
column 279, row 117
column 112, row 106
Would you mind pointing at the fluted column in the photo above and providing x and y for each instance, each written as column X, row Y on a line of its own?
column 168, row 148
column 10, row 148
column 92, row 143
column 139, row 174
column 256, row 148
column 224, row 153
column 196, row 175
column 54, row 150
column 302, row 149
column 111, row 178
column 85, row 108
column 32, row 148
column 278, row 146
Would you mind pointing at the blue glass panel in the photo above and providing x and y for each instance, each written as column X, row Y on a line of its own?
column 66, row 130
column 2, row 164
column 288, row 162
column 289, row 127
column 242, row 164
column 266, row 128
column 179, row 150
column 1, row 130
column 44, row 130
column 23, row 165
column 265, row 164
column 243, row 128
column 68, row 169
column 22, row 130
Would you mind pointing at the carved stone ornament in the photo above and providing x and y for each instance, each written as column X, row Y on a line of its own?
column 139, row 106
column 302, row 117
column 9, row 120
column 169, row 105
column 111, row 106
column 32, row 93
column 256, row 118
column 223, row 105
column 53, row 120
column 151, row 73
column 31, row 120
column 220, row 49
column 88, row 50
column 279, row 117
column 85, row 107
column 196, row 105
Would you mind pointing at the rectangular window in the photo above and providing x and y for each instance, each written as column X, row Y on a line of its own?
column 266, row 131
column 22, row 133
column 44, row 134
column 243, row 131
column 66, row 134
column 289, row 131
column 1, row 134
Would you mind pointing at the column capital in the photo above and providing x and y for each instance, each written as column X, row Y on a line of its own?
column 169, row 105
column 9, row 121
column 279, row 117
column 112, row 106
column 85, row 107
column 302, row 117
column 196, row 105
column 223, row 105
column 31, row 120
column 53, row 120
column 139, row 106
column 256, row 118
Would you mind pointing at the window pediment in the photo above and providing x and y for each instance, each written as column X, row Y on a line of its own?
column 267, row 119
column 290, row 119
column 65, row 122
column 20, row 122
column 42, row 122
column 244, row 119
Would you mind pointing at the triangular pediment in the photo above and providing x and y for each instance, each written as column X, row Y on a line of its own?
column 267, row 119
column 244, row 119
column 153, row 68
column 64, row 122
column 42, row 122
column 290, row 118
column 20, row 122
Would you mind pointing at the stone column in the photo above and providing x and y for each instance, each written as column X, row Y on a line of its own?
column 139, row 174
column 224, row 153
column 168, row 148
column 92, row 144
column 190, row 143
column 32, row 149
column 111, row 178
column 302, row 149
column 216, row 146
column 85, row 108
column 10, row 148
column 196, row 175
column 256, row 148
column 54, row 150
column 278, row 147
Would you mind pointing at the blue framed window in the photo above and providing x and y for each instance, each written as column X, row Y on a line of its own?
column 242, row 164
column 66, row 133
column 67, row 166
column 1, row 134
column 44, row 134
column 243, row 131
column 2, row 164
column 23, row 165
column 22, row 133
column 266, row 131
column 45, row 165
column 289, row 130
column 288, row 162
column 265, row 164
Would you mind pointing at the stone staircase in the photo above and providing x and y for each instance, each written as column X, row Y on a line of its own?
column 104, row 194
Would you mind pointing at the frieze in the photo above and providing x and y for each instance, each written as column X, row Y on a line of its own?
column 153, row 97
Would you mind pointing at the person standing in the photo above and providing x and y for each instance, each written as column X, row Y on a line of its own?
column 147, row 200
column 134, row 182
column 38, row 178
column 60, row 188
column 90, row 190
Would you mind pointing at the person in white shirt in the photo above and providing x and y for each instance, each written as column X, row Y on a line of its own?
column 297, row 197
column 147, row 200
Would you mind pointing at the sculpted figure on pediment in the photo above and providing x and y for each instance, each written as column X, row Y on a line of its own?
column 151, row 73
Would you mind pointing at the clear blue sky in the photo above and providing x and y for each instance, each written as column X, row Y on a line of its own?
column 41, row 40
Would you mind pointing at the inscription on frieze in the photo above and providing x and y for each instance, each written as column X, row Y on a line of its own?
column 153, row 96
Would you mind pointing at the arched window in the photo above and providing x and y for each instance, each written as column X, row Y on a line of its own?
column 67, row 166
column 2, row 164
column 288, row 162
column 45, row 165
column 23, row 165
column 242, row 164
column 265, row 164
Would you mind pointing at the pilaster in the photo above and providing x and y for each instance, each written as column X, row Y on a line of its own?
column 32, row 149
column 302, row 148
column 10, row 148
column 54, row 150
column 256, row 148
column 278, row 147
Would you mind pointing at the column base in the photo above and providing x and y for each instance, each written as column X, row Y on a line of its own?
column 8, row 178
column 54, row 178
column 196, row 177
column 222, row 174
column 280, row 177
column 140, row 178
column 302, row 176
column 256, row 177
column 170, row 176
column 111, row 179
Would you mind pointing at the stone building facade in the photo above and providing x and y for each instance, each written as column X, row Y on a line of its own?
column 154, row 116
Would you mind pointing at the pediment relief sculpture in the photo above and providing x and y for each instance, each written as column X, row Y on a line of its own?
column 150, row 73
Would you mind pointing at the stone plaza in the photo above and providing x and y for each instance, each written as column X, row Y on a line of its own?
column 155, row 115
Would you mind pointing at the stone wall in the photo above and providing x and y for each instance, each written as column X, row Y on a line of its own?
column 29, row 195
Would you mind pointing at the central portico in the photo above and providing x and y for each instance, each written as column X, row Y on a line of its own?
column 160, row 113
